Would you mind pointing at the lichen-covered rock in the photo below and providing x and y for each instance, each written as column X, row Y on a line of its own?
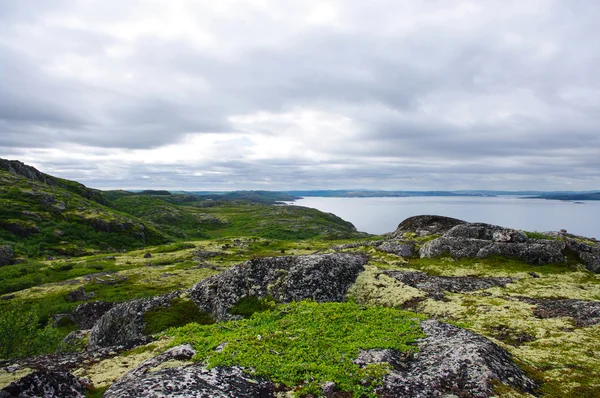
column 79, row 295
column 426, row 225
column 402, row 249
column 536, row 252
column 454, row 361
column 6, row 255
column 455, row 247
column 588, row 253
column 46, row 384
column 435, row 286
column 193, row 381
column 124, row 322
column 583, row 312
column 87, row 314
column 321, row 277
column 477, row 240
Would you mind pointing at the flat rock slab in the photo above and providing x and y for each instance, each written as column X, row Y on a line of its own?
column 584, row 313
column 45, row 384
column 454, row 361
column 193, row 381
column 426, row 225
column 435, row 286
column 320, row 277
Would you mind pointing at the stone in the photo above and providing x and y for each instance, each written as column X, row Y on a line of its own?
column 193, row 381
column 509, row 235
column 87, row 314
column 454, row 361
column 147, row 255
column 583, row 312
column 79, row 295
column 46, row 384
column 124, row 322
column 588, row 253
column 435, row 286
column 6, row 255
column 320, row 277
column 402, row 249
column 454, row 247
column 426, row 225
column 537, row 252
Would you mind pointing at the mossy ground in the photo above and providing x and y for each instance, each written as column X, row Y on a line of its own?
column 304, row 344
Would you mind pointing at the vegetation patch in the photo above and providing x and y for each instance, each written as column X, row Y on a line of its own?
column 304, row 344
column 246, row 306
column 181, row 312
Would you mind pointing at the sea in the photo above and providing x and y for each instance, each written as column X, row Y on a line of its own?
column 381, row 215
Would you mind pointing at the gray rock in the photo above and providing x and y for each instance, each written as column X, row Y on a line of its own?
column 536, row 252
column 454, row 361
column 455, row 247
column 193, row 381
column 583, row 312
column 6, row 255
column 510, row 235
column 426, row 225
column 435, row 286
column 76, row 339
column 402, row 249
column 589, row 254
column 46, row 384
column 473, row 231
column 321, row 277
column 79, row 295
column 87, row 314
column 124, row 322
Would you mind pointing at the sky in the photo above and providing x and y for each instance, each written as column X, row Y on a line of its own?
column 311, row 94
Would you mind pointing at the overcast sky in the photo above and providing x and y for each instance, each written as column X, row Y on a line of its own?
column 286, row 94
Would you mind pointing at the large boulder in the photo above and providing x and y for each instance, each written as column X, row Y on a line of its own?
column 87, row 314
column 6, row 255
column 46, row 384
column 588, row 253
column 426, row 225
column 124, row 323
column 478, row 240
column 453, row 362
column 321, row 277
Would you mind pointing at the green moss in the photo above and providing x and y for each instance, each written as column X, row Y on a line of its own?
column 247, row 306
column 304, row 344
column 96, row 392
column 179, row 313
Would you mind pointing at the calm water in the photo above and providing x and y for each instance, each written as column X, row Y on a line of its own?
column 380, row 215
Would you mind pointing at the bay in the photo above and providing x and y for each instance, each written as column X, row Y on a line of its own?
column 381, row 215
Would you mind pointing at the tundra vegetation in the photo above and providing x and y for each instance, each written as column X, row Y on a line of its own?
column 120, row 246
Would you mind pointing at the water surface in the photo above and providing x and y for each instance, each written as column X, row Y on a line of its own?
column 380, row 215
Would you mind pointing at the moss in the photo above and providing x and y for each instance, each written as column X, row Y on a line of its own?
column 246, row 306
column 179, row 313
column 8, row 377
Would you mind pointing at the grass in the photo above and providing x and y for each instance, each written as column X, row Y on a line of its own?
column 304, row 344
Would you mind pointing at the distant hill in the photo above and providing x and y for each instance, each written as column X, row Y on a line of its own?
column 569, row 196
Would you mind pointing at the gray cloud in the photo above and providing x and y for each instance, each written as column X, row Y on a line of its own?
column 390, row 95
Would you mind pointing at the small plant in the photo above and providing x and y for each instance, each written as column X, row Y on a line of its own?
column 247, row 306
column 304, row 344
column 181, row 312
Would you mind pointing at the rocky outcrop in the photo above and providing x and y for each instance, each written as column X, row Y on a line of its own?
column 588, row 253
column 453, row 362
column 193, row 381
column 583, row 312
column 479, row 240
column 46, row 384
column 426, row 225
column 125, row 322
column 402, row 249
column 435, row 286
column 321, row 277
column 87, row 314
column 79, row 295
column 6, row 255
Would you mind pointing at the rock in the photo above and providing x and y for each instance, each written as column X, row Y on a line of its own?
column 536, row 252
column 147, row 255
column 584, row 313
column 401, row 249
column 6, row 255
column 454, row 361
column 510, row 235
column 7, row 297
column 435, row 286
column 20, row 228
column 62, row 320
column 193, row 381
column 455, row 247
column 124, row 322
column 426, row 225
column 590, row 255
column 87, row 314
column 321, row 277
column 397, row 360
column 46, row 384
column 79, row 295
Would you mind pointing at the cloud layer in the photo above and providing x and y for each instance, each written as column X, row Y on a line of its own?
column 261, row 94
